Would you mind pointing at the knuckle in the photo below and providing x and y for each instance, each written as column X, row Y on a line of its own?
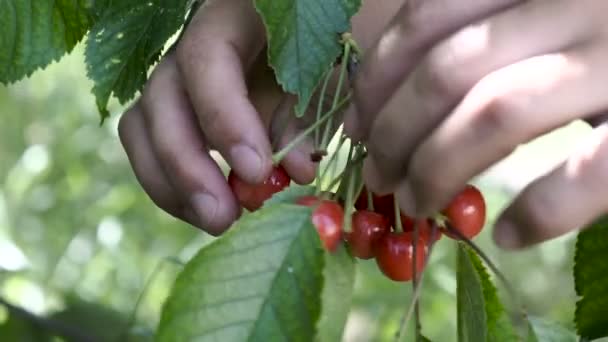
column 429, row 180
column 539, row 212
column 501, row 115
column 438, row 78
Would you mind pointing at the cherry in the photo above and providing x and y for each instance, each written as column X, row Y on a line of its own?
column 252, row 196
column 328, row 219
column 382, row 204
column 424, row 228
column 367, row 228
column 395, row 253
column 466, row 212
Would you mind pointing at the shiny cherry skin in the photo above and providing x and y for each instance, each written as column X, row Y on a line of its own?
column 395, row 253
column 383, row 205
column 367, row 228
column 466, row 212
column 252, row 196
column 424, row 228
column 328, row 219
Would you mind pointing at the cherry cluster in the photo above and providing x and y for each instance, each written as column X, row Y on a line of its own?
column 375, row 230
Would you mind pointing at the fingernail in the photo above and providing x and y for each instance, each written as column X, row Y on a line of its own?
column 205, row 206
column 351, row 121
column 405, row 198
column 506, row 235
column 247, row 162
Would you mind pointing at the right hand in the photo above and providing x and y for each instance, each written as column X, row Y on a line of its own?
column 217, row 92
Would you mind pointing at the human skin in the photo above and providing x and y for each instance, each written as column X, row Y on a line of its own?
column 446, row 88
column 460, row 94
column 216, row 92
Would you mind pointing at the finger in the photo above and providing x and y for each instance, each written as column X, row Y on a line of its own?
column 507, row 108
column 285, row 128
column 453, row 67
column 220, row 44
column 181, row 150
column 411, row 33
column 147, row 169
column 568, row 198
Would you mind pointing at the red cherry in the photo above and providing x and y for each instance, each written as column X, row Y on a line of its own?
column 424, row 228
column 395, row 253
column 383, row 205
column 367, row 228
column 466, row 212
column 252, row 196
column 328, row 218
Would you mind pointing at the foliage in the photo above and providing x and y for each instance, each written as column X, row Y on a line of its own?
column 591, row 280
column 303, row 40
column 262, row 280
column 268, row 277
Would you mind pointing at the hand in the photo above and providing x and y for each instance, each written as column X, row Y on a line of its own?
column 452, row 87
column 216, row 92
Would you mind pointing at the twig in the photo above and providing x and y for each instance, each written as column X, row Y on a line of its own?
column 415, row 282
column 51, row 325
column 406, row 318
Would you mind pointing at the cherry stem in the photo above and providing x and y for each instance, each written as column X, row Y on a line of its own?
column 277, row 157
column 321, row 103
column 416, row 295
column 415, row 281
column 491, row 265
column 334, row 157
column 144, row 291
column 347, row 37
column 346, row 170
column 370, row 200
column 398, row 223
column 348, row 203
column 344, row 64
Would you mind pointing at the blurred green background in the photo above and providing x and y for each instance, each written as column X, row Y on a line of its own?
column 81, row 244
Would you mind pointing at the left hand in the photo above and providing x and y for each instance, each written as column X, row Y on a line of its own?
column 454, row 86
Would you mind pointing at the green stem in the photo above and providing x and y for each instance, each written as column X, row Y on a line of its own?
column 415, row 284
column 321, row 103
column 348, row 203
column 346, row 171
column 416, row 296
column 398, row 222
column 277, row 157
column 341, row 78
column 334, row 157
column 370, row 200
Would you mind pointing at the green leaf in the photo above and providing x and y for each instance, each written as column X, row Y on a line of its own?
column 303, row 40
column 481, row 315
column 541, row 330
column 17, row 328
column 36, row 32
column 500, row 328
column 290, row 194
column 262, row 281
column 472, row 317
column 339, row 275
column 591, row 280
column 125, row 42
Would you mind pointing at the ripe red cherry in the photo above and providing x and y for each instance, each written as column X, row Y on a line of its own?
column 328, row 218
column 383, row 205
column 466, row 212
column 367, row 228
column 395, row 253
column 252, row 196
column 424, row 228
